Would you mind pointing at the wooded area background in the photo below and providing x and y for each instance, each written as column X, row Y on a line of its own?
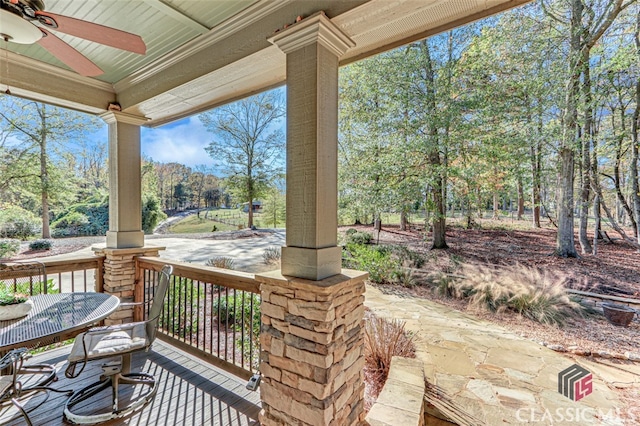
column 536, row 110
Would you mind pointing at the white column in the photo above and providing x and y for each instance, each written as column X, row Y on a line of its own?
column 313, row 47
column 125, row 204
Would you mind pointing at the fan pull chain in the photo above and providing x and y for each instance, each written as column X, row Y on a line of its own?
column 6, row 62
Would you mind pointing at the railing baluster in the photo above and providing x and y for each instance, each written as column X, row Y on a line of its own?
column 193, row 305
column 242, row 326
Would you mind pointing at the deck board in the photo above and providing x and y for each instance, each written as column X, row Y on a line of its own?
column 190, row 392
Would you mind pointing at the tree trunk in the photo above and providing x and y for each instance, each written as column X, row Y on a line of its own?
column 496, row 206
column 622, row 202
column 520, row 199
column 433, row 155
column 44, row 179
column 596, row 227
column 565, row 242
column 403, row 220
column 535, row 187
column 635, row 141
column 586, row 139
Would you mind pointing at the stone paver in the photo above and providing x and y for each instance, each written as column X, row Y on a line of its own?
column 495, row 377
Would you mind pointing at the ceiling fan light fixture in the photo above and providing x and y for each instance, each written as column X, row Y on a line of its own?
column 16, row 30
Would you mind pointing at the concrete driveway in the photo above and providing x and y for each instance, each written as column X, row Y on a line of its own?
column 245, row 252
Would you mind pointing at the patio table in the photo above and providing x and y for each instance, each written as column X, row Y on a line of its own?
column 56, row 317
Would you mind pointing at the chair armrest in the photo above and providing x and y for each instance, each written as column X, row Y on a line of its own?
column 127, row 304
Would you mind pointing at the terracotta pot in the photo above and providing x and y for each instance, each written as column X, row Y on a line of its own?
column 618, row 314
column 18, row 310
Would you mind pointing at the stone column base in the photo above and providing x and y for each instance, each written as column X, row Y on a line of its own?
column 119, row 277
column 312, row 355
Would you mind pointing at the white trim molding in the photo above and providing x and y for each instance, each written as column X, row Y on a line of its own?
column 317, row 28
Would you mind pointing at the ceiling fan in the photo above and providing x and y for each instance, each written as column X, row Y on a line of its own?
column 26, row 22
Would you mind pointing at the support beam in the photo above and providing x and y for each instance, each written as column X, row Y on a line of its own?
column 125, row 205
column 312, row 336
column 313, row 47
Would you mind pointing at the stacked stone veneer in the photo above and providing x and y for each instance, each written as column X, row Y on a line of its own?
column 120, row 277
column 312, row 350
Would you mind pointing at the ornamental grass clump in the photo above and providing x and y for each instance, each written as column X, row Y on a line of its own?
column 271, row 255
column 221, row 262
column 538, row 295
column 383, row 339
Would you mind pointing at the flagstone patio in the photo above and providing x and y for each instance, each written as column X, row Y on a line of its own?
column 495, row 377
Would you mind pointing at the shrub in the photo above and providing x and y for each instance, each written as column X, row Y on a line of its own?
column 40, row 245
column 383, row 339
column 181, row 307
column 221, row 262
column 9, row 247
column 534, row 294
column 29, row 287
column 272, row 255
column 152, row 213
column 16, row 222
column 358, row 237
column 407, row 256
column 72, row 223
column 241, row 311
column 404, row 277
column 376, row 260
column 89, row 217
column 233, row 309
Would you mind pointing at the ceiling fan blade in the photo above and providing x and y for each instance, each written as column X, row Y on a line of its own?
column 67, row 54
column 94, row 32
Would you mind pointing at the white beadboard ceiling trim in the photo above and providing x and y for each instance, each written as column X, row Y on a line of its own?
column 233, row 25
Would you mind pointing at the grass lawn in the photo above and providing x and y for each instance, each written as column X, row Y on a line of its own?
column 195, row 225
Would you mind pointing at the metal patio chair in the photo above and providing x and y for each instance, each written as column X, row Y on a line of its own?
column 20, row 381
column 117, row 340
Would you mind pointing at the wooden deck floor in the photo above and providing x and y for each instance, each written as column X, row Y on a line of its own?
column 191, row 392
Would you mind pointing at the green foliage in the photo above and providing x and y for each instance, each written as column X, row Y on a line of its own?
column 221, row 262
column 152, row 213
column 40, row 245
column 16, row 222
column 9, row 298
column 29, row 288
column 73, row 223
column 273, row 213
column 246, row 141
column 90, row 217
column 241, row 311
column 181, row 307
column 407, row 256
column 9, row 247
column 376, row 260
column 353, row 236
column 236, row 309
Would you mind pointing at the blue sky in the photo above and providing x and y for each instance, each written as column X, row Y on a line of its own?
column 182, row 141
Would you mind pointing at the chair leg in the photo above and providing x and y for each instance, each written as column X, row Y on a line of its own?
column 22, row 410
column 116, row 412
column 45, row 371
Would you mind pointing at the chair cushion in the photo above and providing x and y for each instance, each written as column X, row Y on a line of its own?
column 109, row 341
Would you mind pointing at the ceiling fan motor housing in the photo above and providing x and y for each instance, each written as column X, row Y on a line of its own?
column 14, row 22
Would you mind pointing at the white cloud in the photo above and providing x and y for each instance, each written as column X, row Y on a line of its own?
column 181, row 142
